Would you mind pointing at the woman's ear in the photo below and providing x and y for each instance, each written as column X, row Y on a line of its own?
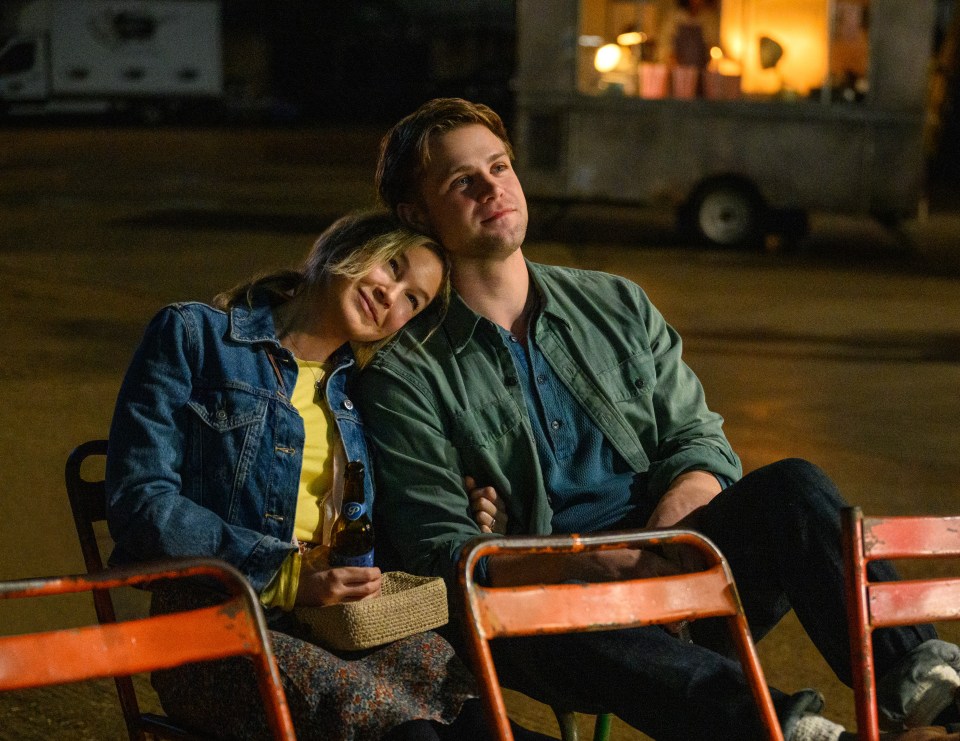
column 412, row 215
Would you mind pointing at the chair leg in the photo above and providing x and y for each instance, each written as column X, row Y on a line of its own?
column 601, row 729
column 567, row 720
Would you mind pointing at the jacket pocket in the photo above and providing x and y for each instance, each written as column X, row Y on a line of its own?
column 486, row 422
column 631, row 378
column 228, row 408
column 227, row 425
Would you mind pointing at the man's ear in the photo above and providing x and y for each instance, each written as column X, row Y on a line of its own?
column 413, row 216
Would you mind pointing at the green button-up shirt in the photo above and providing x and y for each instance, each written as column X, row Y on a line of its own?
column 450, row 405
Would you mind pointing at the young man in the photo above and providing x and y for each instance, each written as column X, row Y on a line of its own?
column 556, row 400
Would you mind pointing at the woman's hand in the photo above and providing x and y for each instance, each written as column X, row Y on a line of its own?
column 322, row 585
column 487, row 507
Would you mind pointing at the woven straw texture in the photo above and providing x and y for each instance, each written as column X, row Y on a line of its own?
column 407, row 604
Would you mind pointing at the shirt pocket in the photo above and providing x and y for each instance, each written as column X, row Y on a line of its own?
column 227, row 424
column 629, row 379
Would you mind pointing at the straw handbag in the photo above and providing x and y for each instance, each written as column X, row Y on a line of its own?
column 407, row 605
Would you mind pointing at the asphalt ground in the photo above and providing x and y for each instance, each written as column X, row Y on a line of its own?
column 845, row 351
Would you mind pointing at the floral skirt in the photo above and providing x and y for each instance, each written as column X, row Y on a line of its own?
column 333, row 695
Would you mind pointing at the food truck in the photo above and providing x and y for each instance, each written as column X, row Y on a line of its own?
column 92, row 56
column 740, row 114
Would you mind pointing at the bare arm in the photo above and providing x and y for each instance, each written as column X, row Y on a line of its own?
column 687, row 493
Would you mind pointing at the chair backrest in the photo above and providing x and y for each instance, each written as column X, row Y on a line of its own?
column 88, row 502
column 872, row 605
column 235, row 627
column 493, row 612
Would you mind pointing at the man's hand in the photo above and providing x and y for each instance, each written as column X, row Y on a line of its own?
column 487, row 507
column 321, row 585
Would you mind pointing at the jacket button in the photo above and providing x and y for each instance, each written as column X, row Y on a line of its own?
column 639, row 383
column 347, row 404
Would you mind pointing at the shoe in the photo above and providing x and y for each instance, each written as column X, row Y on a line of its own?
column 921, row 687
column 951, row 714
column 925, row 733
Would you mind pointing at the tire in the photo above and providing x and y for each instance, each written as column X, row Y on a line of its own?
column 725, row 214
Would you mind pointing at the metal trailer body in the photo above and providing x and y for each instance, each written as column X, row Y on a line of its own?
column 95, row 55
column 727, row 165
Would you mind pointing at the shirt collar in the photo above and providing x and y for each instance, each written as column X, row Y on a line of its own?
column 461, row 321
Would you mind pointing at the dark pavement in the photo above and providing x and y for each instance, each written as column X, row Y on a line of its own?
column 845, row 351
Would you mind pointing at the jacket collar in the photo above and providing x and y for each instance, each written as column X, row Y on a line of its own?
column 253, row 324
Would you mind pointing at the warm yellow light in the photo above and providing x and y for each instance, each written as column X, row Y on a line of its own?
column 607, row 57
column 716, row 52
column 729, row 67
column 631, row 38
column 801, row 27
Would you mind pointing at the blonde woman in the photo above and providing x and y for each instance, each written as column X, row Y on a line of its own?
column 229, row 439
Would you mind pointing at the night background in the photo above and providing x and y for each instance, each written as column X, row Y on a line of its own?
column 842, row 347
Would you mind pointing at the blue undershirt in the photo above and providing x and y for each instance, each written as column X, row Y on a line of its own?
column 589, row 485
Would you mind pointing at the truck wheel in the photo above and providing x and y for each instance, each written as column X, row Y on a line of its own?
column 725, row 214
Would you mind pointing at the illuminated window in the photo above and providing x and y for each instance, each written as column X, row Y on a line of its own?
column 722, row 49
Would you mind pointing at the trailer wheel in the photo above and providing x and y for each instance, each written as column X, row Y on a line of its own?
column 725, row 213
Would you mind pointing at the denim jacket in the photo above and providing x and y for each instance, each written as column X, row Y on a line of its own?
column 450, row 406
column 205, row 447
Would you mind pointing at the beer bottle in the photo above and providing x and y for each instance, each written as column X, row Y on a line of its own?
column 351, row 540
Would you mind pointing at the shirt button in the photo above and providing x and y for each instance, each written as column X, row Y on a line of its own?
column 221, row 414
column 541, row 378
column 513, row 339
column 347, row 404
column 555, row 424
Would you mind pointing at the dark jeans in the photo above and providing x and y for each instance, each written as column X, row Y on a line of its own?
column 779, row 528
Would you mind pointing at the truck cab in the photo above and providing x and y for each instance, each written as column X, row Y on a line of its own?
column 23, row 69
column 76, row 56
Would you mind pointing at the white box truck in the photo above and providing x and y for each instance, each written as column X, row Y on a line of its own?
column 148, row 57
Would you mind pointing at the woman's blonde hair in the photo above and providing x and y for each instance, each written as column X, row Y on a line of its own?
column 350, row 247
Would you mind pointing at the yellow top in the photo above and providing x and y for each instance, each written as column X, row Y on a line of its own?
column 316, row 474
column 316, row 482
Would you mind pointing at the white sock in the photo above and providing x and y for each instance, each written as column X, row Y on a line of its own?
column 812, row 727
column 933, row 695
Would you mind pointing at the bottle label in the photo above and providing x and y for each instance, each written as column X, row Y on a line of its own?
column 353, row 510
column 365, row 559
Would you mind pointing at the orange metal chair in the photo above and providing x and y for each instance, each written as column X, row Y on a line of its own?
column 88, row 504
column 492, row 612
column 872, row 605
column 235, row 627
